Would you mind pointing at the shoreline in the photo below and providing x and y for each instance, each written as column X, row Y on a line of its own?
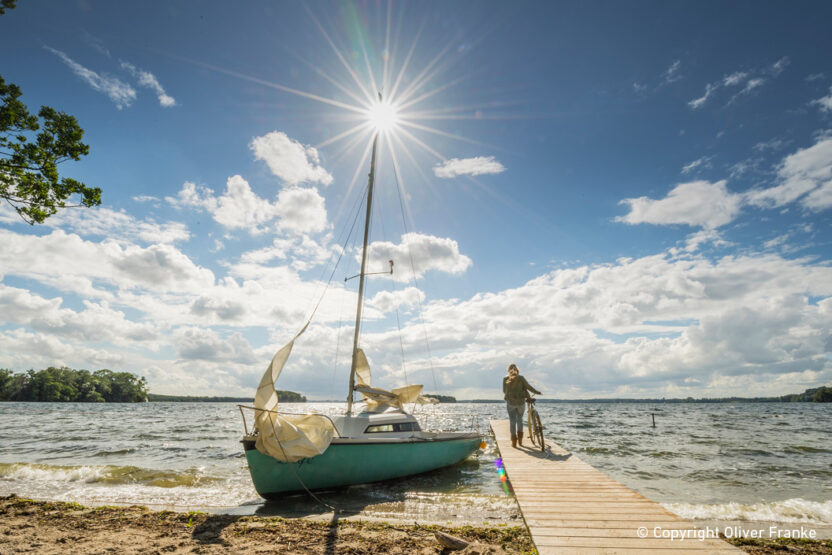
column 58, row 527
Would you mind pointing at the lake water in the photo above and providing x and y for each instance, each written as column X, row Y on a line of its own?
column 755, row 461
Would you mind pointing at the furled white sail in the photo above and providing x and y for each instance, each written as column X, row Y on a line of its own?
column 288, row 438
column 378, row 399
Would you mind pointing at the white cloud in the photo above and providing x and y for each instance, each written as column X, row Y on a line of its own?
column 695, row 240
column 226, row 310
column 752, row 79
column 680, row 321
column 147, row 79
column 699, row 102
column 777, row 67
column 116, row 90
column 468, row 166
column 668, row 76
column 805, row 175
column 697, row 203
column 194, row 196
column 96, row 323
column 60, row 258
column 205, row 344
column 300, row 210
column 799, row 173
column 240, row 207
column 301, row 251
column 652, row 324
column 297, row 210
column 704, row 162
column 752, row 84
column 165, row 286
column 820, row 198
column 734, row 79
column 279, row 249
column 23, row 349
column 771, row 144
column 777, row 241
column 388, row 301
column 825, row 102
column 745, row 166
column 106, row 222
column 672, row 73
column 290, row 160
column 418, row 253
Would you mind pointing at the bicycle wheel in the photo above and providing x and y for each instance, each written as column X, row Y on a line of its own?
column 538, row 432
column 531, row 423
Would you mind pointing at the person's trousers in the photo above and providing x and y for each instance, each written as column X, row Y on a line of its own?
column 515, row 418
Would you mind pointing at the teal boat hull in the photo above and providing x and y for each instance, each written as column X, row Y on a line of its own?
column 344, row 464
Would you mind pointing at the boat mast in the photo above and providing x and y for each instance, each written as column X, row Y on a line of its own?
column 363, row 267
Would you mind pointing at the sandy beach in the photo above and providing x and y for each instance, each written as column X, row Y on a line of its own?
column 29, row 526
column 55, row 527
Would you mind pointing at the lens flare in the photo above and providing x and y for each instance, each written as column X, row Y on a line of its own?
column 501, row 472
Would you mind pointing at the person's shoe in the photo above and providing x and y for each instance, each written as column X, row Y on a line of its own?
column 514, row 440
column 520, row 439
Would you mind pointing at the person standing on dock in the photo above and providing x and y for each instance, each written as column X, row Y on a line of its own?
column 516, row 390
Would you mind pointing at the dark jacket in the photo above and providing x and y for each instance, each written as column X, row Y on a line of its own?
column 516, row 392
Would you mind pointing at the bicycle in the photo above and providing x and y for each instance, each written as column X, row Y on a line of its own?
column 535, row 426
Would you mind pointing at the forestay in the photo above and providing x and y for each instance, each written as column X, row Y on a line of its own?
column 288, row 438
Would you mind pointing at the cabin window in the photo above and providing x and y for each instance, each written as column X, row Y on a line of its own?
column 397, row 427
column 379, row 428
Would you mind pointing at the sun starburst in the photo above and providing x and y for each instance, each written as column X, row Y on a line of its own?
column 385, row 90
column 383, row 116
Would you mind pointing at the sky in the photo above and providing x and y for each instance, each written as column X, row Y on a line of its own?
column 624, row 199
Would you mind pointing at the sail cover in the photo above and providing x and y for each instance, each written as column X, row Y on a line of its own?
column 378, row 400
column 287, row 437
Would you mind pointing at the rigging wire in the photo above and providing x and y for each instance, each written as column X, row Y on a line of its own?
column 337, row 350
column 338, row 261
column 401, row 347
column 416, row 282
column 396, row 288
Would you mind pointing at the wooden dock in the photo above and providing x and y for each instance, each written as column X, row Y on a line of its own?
column 571, row 507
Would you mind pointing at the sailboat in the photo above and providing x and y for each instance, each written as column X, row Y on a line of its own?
column 381, row 441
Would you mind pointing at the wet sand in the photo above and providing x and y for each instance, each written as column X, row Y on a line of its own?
column 28, row 526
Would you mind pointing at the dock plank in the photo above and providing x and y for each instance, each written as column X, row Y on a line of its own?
column 571, row 507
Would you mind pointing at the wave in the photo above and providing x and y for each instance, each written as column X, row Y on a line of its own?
column 104, row 453
column 790, row 510
column 105, row 474
column 806, row 449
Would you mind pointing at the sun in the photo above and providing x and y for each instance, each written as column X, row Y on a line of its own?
column 383, row 116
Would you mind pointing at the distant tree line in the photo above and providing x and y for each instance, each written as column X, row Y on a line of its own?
column 68, row 385
column 821, row 394
column 441, row 398
column 282, row 396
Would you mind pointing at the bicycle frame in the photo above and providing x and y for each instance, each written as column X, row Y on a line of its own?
column 535, row 425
